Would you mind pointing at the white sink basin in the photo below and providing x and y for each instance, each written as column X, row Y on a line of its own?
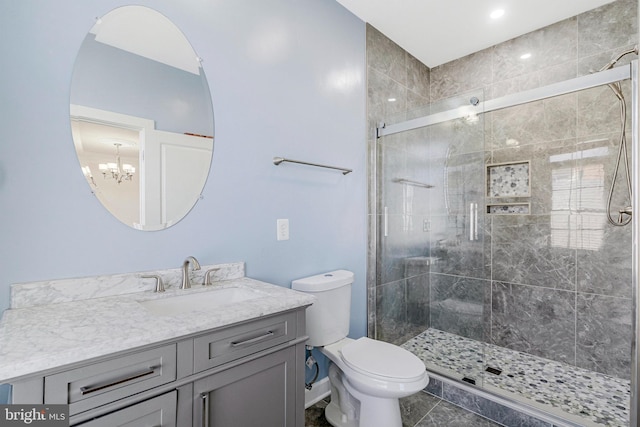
column 201, row 301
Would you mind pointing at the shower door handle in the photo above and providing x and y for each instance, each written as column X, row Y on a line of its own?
column 475, row 217
column 473, row 221
column 385, row 224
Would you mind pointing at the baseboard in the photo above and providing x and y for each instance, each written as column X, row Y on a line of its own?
column 319, row 391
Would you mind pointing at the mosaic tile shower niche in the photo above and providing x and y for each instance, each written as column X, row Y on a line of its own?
column 508, row 180
column 516, row 285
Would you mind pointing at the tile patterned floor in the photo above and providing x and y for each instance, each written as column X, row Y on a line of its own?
column 596, row 398
column 314, row 415
column 420, row 410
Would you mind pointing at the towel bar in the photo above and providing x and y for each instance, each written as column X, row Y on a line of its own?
column 278, row 160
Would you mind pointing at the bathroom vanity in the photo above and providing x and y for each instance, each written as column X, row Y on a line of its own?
column 162, row 359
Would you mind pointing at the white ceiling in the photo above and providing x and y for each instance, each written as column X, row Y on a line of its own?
column 100, row 139
column 439, row 31
column 145, row 32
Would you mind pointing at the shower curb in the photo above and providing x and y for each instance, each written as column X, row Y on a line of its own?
column 496, row 408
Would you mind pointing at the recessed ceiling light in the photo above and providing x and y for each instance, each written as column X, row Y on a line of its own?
column 525, row 56
column 497, row 13
column 391, row 100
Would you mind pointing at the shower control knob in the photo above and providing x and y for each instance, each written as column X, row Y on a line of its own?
column 622, row 212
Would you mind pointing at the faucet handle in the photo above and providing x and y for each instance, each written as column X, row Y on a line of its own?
column 207, row 276
column 159, row 284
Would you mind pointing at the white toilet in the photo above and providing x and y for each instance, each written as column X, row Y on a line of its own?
column 367, row 376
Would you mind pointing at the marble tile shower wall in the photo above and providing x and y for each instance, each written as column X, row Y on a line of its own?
column 555, row 283
column 398, row 305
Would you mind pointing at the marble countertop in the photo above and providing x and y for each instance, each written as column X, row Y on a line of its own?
column 39, row 338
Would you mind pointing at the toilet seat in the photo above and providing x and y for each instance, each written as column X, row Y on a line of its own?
column 381, row 359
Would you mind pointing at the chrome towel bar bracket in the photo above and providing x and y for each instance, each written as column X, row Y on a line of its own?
column 278, row 160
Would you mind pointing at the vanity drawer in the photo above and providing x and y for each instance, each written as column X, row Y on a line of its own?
column 238, row 341
column 103, row 382
column 159, row 411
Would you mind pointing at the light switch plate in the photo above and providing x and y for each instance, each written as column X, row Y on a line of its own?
column 282, row 229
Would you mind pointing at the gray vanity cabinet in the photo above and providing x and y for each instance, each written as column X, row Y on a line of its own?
column 246, row 374
column 258, row 393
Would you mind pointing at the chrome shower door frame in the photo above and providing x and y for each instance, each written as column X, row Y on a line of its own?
column 635, row 205
column 577, row 84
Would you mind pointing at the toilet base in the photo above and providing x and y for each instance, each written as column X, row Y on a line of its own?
column 380, row 412
column 352, row 408
column 336, row 418
column 376, row 413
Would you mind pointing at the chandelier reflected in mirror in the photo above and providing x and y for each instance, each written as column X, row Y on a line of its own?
column 117, row 171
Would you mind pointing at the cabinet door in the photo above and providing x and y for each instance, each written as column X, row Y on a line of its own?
column 257, row 393
column 156, row 412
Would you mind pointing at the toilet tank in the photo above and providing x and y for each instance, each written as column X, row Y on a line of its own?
column 328, row 317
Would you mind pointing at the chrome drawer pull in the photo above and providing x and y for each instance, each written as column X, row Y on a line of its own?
column 252, row 340
column 91, row 389
column 205, row 409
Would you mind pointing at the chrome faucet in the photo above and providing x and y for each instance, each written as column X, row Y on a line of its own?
column 207, row 276
column 186, row 281
column 159, row 284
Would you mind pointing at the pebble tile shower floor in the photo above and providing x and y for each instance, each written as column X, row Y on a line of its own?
column 598, row 399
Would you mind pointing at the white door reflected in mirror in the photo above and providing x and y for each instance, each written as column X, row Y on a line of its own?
column 141, row 118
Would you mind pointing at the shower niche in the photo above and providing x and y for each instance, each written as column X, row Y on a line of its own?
column 508, row 179
column 508, row 188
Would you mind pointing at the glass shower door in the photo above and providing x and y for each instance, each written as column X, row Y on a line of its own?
column 432, row 278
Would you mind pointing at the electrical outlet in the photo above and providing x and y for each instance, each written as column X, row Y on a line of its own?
column 282, row 226
column 426, row 225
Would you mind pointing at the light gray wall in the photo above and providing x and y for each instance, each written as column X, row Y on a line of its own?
column 110, row 79
column 287, row 79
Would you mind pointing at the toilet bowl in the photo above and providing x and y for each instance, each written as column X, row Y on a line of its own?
column 376, row 374
column 367, row 377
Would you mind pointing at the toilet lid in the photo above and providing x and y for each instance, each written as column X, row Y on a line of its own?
column 382, row 359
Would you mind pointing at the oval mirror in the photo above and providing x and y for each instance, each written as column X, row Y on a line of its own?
column 141, row 118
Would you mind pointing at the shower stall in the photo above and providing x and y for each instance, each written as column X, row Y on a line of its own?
column 491, row 254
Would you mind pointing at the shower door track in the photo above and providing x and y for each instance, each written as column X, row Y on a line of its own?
column 612, row 75
column 588, row 81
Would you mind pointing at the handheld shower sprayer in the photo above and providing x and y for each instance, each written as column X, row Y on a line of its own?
column 622, row 149
column 615, row 60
